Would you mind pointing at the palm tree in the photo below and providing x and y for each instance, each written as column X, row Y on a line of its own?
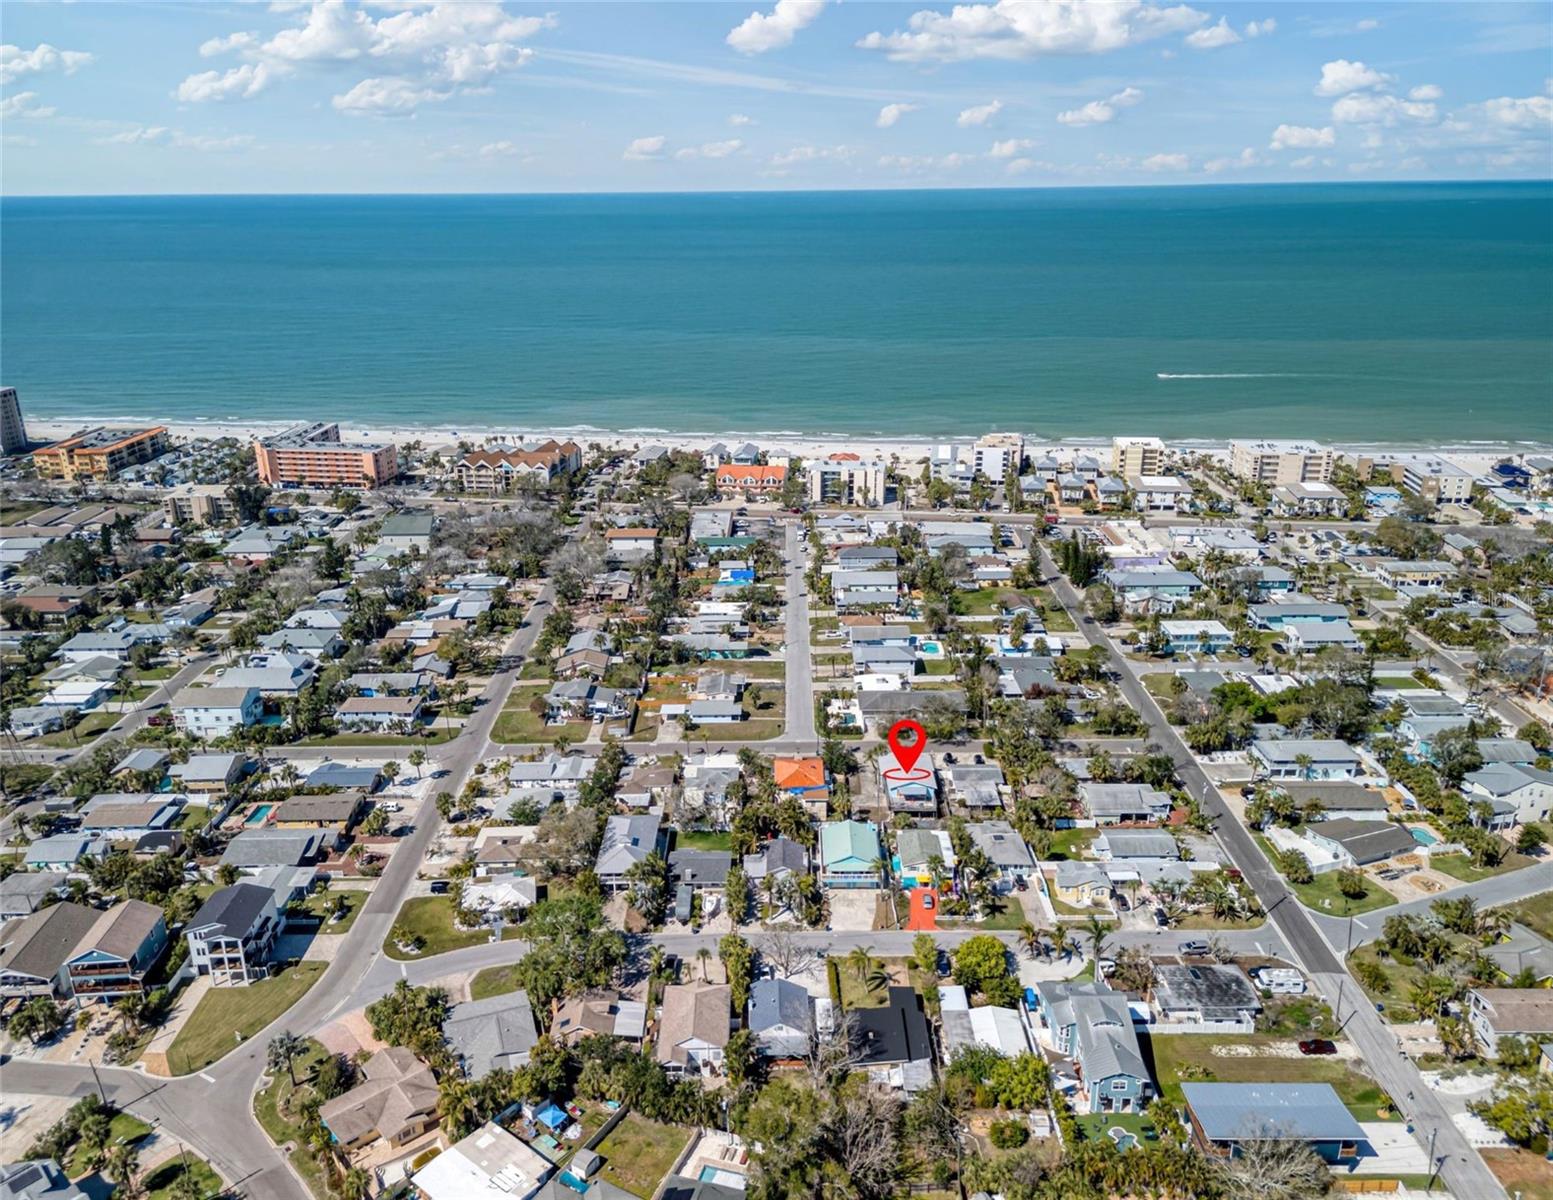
column 1062, row 943
column 356, row 1184
column 703, row 956
column 1030, row 939
column 284, row 1049
column 861, row 960
column 417, row 759
column 1097, row 929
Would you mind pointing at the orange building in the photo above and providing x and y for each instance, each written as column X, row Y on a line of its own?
column 314, row 456
column 755, row 478
column 101, row 453
column 805, row 779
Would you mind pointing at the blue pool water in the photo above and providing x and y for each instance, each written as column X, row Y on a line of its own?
column 929, row 647
column 711, row 1174
column 258, row 815
column 1423, row 837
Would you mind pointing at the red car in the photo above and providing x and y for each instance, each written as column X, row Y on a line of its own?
column 1317, row 1046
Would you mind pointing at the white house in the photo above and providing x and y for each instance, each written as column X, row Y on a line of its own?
column 214, row 712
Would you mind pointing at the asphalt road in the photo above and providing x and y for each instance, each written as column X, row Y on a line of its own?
column 800, row 666
column 1463, row 1170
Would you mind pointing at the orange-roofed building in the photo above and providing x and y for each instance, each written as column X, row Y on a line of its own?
column 756, row 479
column 806, row 779
column 844, row 456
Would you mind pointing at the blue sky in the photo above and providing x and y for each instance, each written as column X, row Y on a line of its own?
column 120, row 98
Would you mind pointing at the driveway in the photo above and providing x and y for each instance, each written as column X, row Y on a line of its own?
column 852, row 910
column 922, row 917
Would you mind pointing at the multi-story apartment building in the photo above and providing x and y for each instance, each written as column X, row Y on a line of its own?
column 13, row 432
column 314, row 456
column 1426, row 475
column 200, row 504
column 998, row 455
column 493, row 472
column 1137, row 456
column 101, row 453
column 844, row 480
column 1273, row 464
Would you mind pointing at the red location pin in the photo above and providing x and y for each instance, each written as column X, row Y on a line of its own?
column 906, row 755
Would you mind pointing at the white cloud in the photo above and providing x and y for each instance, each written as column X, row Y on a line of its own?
column 16, row 62
column 1009, row 148
column 1342, row 76
column 1211, row 37
column 1016, row 29
column 1367, row 24
column 1427, row 91
column 1528, row 112
column 760, row 31
column 24, row 104
column 1100, row 112
column 1380, row 108
column 644, row 149
column 737, row 119
column 1256, row 29
column 914, row 165
column 803, row 154
column 710, row 150
column 979, row 115
column 418, row 52
column 224, row 45
column 242, row 82
column 1019, row 166
column 1302, row 137
column 892, row 113
column 501, row 149
column 1239, row 162
column 1166, row 162
column 161, row 135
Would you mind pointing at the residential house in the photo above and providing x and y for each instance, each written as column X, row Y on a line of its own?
column 974, row 785
column 277, row 673
column 693, row 1027
column 1306, row 759
column 1311, row 637
column 1092, row 1026
column 1528, row 791
column 599, row 1011
column 1313, row 499
column 99, row 643
column 496, row 893
column 700, row 870
column 310, row 643
column 34, row 949
column 1293, row 609
column 627, row 841
column 850, row 855
column 497, row 1032
column 1008, row 852
column 549, row 780
column 396, row 1102
column 1160, row 493
column 216, row 711
column 1118, row 803
column 895, row 1042
column 781, row 1018
column 24, row 892
column 489, row 1164
column 1360, row 843
column 915, row 852
column 62, row 851
column 338, row 811
column 254, row 849
column 1205, row 637
column 779, row 858
column 112, row 960
column 631, row 543
column 582, row 699
column 914, row 792
column 1125, row 845
column 753, row 479
column 1336, row 800
column 1225, row 1116
column 37, row 1179
column 1414, row 578
column 1495, row 1013
column 380, row 712
column 209, row 774
column 231, row 937
column 1001, row 1030
column 1153, row 589
column 1205, row 996
column 1081, row 885
column 805, row 779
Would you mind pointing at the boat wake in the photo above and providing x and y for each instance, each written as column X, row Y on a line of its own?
column 1235, row 375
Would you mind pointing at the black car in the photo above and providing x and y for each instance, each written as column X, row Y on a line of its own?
column 439, row 887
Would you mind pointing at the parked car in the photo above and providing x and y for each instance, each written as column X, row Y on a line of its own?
column 1193, row 947
column 1317, row 1046
column 928, row 901
column 439, row 887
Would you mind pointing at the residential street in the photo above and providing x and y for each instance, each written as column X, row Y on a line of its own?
column 1460, row 1165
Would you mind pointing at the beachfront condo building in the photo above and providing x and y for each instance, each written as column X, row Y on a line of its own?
column 998, row 455
column 1137, row 456
column 1426, row 475
column 1274, row 464
column 101, row 453
column 846, row 479
column 499, row 469
column 13, row 433
column 314, row 456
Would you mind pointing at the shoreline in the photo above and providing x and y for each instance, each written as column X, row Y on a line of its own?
column 1476, row 456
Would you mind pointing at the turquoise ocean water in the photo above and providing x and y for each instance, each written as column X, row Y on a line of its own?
column 1382, row 313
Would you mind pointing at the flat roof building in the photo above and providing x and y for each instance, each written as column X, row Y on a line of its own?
column 312, row 455
column 101, row 453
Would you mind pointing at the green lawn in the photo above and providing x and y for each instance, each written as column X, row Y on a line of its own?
column 1009, row 916
column 703, row 839
column 759, row 729
column 276, row 1108
column 431, row 737
column 762, row 668
column 1397, row 683
column 20, row 778
column 85, row 730
column 154, row 673
column 518, row 724
column 209, row 1032
column 165, row 1183
column 1459, row 866
column 855, row 993
column 938, row 666
column 1097, row 1125
column 1322, row 894
column 1072, row 843
column 322, row 904
column 122, row 1128
column 638, row 1153
column 1196, row 1054
column 194, row 817
column 493, row 981
column 432, row 918
column 1159, row 684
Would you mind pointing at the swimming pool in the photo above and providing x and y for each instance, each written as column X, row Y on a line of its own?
column 259, row 815
column 931, row 648
column 732, row 1179
column 1423, row 837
